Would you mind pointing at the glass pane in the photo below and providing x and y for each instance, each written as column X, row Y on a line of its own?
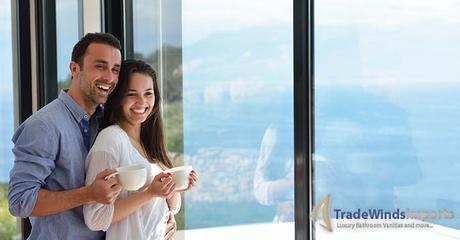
column 157, row 39
column 7, row 222
column 226, row 77
column 67, row 34
column 238, row 118
column 386, row 110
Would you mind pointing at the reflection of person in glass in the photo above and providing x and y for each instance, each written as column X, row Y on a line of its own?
column 363, row 149
column 274, row 174
column 133, row 134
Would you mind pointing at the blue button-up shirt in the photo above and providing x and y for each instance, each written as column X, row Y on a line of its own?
column 50, row 149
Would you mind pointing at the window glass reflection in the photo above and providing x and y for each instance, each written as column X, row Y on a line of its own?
column 228, row 109
column 238, row 119
column 67, row 34
column 385, row 106
column 157, row 37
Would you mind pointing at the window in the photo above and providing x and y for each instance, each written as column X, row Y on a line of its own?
column 7, row 222
column 226, row 77
column 157, row 39
column 386, row 107
column 68, row 32
column 238, row 119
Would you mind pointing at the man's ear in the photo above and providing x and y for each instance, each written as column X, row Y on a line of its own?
column 74, row 69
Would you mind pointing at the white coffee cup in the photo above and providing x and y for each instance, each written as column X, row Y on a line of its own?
column 180, row 176
column 131, row 177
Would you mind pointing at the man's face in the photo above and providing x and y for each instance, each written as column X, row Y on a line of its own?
column 98, row 75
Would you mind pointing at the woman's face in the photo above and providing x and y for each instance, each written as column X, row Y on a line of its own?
column 139, row 100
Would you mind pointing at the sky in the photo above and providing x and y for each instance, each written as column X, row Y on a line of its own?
column 231, row 15
column 67, row 34
column 399, row 45
column 5, row 46
column 389, row 14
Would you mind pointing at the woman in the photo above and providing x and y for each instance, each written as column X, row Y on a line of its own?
column 133, row 134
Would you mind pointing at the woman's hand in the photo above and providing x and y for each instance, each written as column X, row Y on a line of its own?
column 162, row 186
column 192, row 181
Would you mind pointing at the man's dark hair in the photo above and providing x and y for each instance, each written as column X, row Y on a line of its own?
column 80, row 48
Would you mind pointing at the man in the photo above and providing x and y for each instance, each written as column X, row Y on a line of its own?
column 47, row 182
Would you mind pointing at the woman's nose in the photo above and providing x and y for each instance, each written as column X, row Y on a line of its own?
column 140, row 100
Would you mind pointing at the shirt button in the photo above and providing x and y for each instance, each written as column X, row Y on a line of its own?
column 85, row 130
column 86, row 116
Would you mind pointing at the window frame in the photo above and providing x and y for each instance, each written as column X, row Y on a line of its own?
column 34, row 62
column 303, row 118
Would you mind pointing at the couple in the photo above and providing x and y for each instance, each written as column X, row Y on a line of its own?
column 47, row 182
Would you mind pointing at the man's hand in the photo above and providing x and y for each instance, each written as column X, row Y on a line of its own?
column 171, row 227
column 104, row 191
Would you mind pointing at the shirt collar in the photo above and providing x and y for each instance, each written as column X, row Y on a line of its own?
column 76, row 110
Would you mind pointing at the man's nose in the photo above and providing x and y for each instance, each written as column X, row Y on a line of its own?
column 110, row 76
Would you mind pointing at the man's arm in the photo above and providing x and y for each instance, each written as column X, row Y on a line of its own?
column 102, row 191
column 35, row 150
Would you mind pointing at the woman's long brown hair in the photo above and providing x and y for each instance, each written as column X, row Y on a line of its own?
column 152, row 137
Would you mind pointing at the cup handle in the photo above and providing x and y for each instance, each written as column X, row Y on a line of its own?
column 111, row 175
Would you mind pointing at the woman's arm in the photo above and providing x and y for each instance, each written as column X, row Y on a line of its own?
column 126, row 206
column 174, row 202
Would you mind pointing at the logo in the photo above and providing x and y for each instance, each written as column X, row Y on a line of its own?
column 374, row 218
column 324, row 204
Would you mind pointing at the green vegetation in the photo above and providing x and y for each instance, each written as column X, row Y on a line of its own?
column 64, row 84
column 174, row 126
column 171, row 73
column 7, row 222
column 180, row 217
column 171, row 85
